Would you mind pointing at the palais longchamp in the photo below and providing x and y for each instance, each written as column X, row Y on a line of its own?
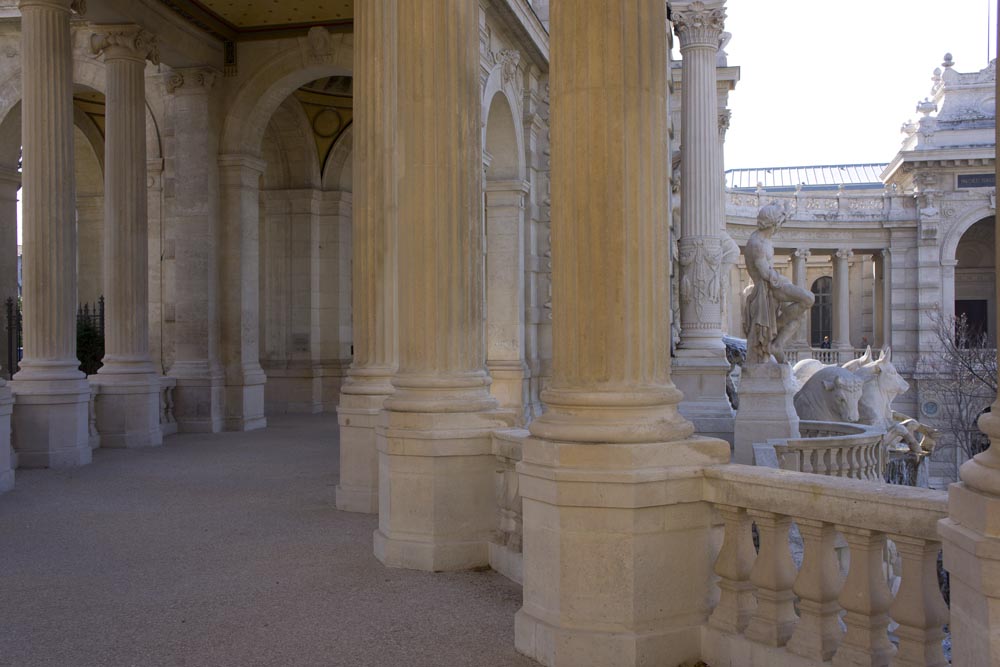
column 437, row 333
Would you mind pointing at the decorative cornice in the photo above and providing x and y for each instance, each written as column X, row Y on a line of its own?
column 698, row 25
column 125, row 41
column 190, row 80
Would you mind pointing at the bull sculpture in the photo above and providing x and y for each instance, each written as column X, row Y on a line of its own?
column 830, row 394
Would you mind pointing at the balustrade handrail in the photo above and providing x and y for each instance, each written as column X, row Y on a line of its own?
column 887, row 508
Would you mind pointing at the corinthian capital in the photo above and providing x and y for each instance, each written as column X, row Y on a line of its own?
column 845, row 254
column 697, row 24
column 190, row 80
column 125, row 41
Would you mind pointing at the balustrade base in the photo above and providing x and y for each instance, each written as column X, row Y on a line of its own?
column 721, row 648
column 437, row 505
column 51, row 423
column 127, row 407
column 971, row 540
column 766, row 408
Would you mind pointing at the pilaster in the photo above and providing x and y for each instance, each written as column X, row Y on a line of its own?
column 128, row 404
column 436, row 465
column 374, row 256
column 606, row 476
column 239, row 183
column 192, row 218
column 52, row 394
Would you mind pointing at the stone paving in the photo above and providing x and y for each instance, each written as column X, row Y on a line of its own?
column 226, row 550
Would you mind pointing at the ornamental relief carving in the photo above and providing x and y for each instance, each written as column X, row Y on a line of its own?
column 137, row 42
column 696, row 23
column 700, row 283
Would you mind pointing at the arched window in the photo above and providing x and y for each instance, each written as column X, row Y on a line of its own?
column 822, row 311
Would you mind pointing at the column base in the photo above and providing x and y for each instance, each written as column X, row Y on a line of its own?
column 358, row 487
column 617, row 544
column 971, row 540
column 766, row 408
column 128, row 410
column 702, row 380
column 437, row 508
column 245, row 405
column 198, row 401
column 50, row 423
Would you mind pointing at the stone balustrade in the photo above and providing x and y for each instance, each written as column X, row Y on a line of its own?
column 826, row 207
column 757, row 621
column 835, row 449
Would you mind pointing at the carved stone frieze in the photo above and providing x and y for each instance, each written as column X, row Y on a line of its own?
column 195, row 79
column 699, row 273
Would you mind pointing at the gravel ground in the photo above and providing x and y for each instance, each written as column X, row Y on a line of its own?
column 226, row 550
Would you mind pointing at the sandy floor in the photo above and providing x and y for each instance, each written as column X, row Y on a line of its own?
column 226, row 550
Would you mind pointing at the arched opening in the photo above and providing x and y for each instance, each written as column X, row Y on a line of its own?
column 305, row 225
column 504, row 252
column 821, row 314
column 975, row 280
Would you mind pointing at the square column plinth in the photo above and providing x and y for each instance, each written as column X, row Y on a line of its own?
column 358, row 488
column 617, row 545
column 437, row 504
column 766, row 409
column 51, row 423
column 128, row 410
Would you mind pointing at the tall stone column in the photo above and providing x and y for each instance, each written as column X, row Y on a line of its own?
column 800, row 277
column 128, row 404
column 842, row 304
column 883, row 298
column 192, row 218
column 51, row 420
column 373, row 253
column 436, row 467
column 10, row 183
column 608, row 477
column 239, row 182
column 700, row 367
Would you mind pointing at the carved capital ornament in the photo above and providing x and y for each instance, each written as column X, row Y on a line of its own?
column 699, row 25
column 125, row 41
column 190, row 80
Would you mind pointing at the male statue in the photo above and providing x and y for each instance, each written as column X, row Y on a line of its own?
column 774, row 307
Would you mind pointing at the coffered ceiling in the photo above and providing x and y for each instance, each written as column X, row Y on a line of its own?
column 235, row 20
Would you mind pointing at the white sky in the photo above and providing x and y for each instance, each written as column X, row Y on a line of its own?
column 832, row 82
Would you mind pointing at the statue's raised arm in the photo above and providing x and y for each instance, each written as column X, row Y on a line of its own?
column 774, row 307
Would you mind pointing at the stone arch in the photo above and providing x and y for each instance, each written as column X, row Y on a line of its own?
column 338, row 173
column 505, row 193
column 265, row 90
column 493, row 117
column 291, row 154
column 949, row 245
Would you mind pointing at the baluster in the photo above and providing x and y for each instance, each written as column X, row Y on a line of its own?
column 807, row 459
column 819, row 632
column 866, row 598
column 919, row 608
column 873, row 467
column 773, row 575
column 735, row 561
column 821, row 467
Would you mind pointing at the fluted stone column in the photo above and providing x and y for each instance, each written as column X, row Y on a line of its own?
column 800, row 258
column 192, row 219
column 50, row 422
column 604, row 507
column 700, row 367
column 436, row 501
column 239, row 183
column 373, row 255
column 971, row 538
column 128, row 404
column 883, row 298
column 842, row 304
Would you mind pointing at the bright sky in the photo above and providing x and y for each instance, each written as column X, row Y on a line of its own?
column 831, row 83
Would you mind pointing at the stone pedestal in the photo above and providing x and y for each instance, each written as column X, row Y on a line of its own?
column 766, row 408
column 6, row 451
column 358, row 416
column 702, row 380
column 127, row 409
